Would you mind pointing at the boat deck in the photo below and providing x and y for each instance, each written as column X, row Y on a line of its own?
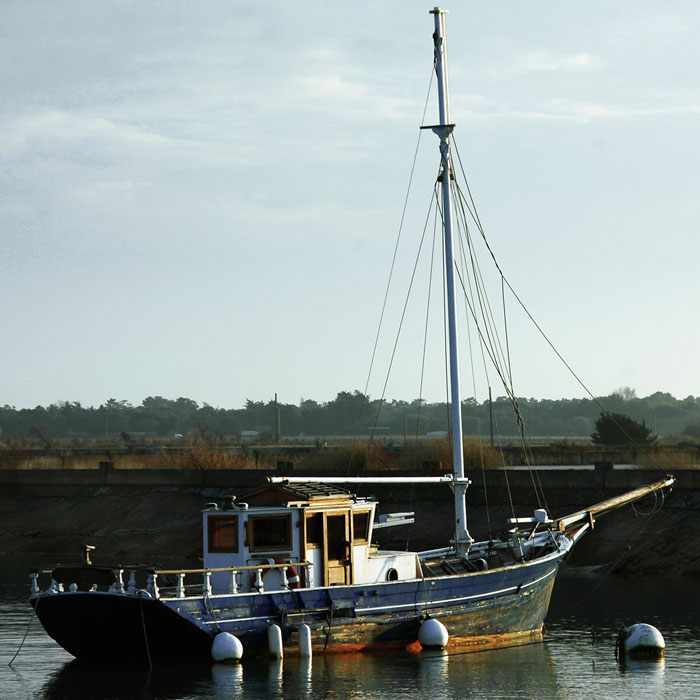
column 452, row 566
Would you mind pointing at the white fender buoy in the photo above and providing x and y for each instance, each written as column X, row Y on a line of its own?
column 433, row 634
column 304, row 640
column 226, row 647
column 642, row 640
column 274, row 641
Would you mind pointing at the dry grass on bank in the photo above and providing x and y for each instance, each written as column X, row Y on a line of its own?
column 668, row 458
column 428, row 455
column 201, row 457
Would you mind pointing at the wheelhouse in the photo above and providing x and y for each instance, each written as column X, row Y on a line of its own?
column 320, row 526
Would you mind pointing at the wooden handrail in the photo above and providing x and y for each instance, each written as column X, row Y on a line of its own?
column 231, row 568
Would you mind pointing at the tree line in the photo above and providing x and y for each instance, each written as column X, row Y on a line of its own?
column 349, row 414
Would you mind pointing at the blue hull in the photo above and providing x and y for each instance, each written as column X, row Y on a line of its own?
column 494, row 608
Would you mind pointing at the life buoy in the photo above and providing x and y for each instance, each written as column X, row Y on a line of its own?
column 292, row 576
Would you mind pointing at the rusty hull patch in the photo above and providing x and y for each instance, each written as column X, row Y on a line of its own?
column 479, row 629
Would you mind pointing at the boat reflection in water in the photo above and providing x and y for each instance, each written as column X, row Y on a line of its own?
column 80, row 680
column 427, row 674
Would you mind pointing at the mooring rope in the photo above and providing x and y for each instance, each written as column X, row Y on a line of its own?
column 26, row 632
column 145, row 636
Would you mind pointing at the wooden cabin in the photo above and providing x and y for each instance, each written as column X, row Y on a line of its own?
column 321, row 524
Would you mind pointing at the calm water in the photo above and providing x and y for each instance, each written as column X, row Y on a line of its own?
column 577, row 661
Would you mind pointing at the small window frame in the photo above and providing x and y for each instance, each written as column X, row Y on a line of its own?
column 317, row 517
column 216, row 524
column 356, row 539
column 285, row 546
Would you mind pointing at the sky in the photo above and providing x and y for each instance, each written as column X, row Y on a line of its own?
column 203, row 199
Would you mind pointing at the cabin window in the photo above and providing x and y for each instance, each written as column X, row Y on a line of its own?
column 360, row 527
column 222, row 533
column 270, row 532
column 314, row 530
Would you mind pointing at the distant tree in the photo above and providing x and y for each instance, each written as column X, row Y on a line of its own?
column 626, row 393
column 344, row 412
column 352, row 412
column 619, row 429
column 692, row 430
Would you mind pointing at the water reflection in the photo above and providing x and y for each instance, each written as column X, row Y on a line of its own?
column 87, row 681
column 305, row 677
column 643, row 674
column 502, row 670
column 227, row 679
column 274, row 677
column 433, row 672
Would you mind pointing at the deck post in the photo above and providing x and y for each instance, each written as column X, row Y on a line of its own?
column 258, row 580
column 153, row 585
column 119, row 583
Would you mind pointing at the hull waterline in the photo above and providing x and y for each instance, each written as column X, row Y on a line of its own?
column 483, row 610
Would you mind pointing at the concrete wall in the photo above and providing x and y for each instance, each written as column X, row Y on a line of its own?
column 147, row 514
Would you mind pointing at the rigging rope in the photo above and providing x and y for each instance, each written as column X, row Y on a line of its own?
column 401, row 321
column 492, row 342
column 630, row 543
column 500, row 358
column 396, row 248
column 471, row 208
column 422, row 376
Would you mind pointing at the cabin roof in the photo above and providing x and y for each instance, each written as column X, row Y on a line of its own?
column 288, row 494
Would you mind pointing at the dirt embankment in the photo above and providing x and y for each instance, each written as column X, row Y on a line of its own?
column 147, row 524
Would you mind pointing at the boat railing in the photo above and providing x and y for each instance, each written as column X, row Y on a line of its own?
column 205, row 586
column 160, row 583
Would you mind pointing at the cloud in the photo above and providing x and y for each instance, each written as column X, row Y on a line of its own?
column 547, row 61
column 567, row 111
column 53, row 130
column 583, row 111
column 107, row 188
column 324, row 54
column 339, row 95
column 99, row 142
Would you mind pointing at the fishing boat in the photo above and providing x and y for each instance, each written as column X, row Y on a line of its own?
column 291, row 565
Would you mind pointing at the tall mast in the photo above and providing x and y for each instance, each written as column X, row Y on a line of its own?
column 462, row 539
